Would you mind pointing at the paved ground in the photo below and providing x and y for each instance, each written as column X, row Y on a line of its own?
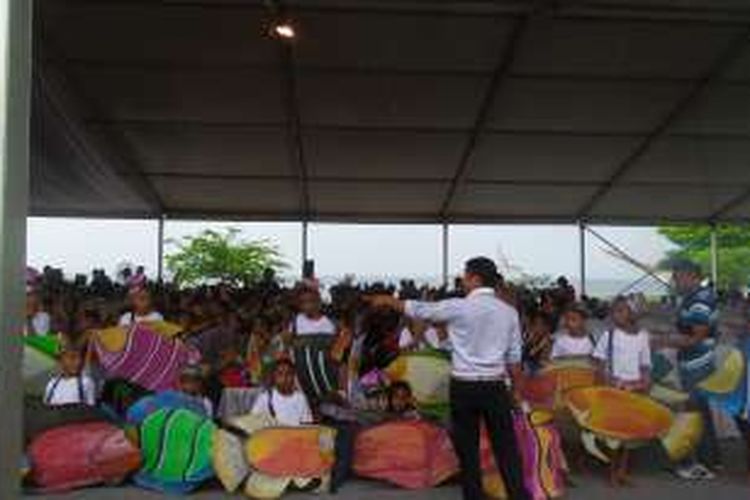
column 650, row 484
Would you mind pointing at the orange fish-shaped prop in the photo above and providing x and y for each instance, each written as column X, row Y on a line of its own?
column 546, row 389
column 617, row 417
column 272, row 458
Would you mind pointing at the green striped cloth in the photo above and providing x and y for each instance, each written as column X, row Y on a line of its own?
column 176, row 451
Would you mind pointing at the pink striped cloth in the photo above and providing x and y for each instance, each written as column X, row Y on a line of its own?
column 148, row 359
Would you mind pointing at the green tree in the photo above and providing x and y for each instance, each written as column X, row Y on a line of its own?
column 220, row 257
column 733, row 245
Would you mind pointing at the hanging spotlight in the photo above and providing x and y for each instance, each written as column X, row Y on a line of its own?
column 284, row 29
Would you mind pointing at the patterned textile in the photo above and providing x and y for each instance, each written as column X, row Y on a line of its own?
column 542, row 460
column 411, row 454
column 317, row 373
column 176, row 449
column 172, row 400
column 78, row 455
column 147, row 359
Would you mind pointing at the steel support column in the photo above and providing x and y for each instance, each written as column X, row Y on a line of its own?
column 305, row 244
column 714, row 258
column 160, row 249
column 582, row 256
column 445, row 255
column 15, row 75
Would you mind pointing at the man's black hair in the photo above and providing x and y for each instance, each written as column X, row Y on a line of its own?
column 484, row 268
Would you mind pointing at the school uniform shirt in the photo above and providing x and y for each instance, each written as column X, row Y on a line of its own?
column 566, row 345
column 630, row 353
column 431, row 340
column 129, row 318
column 484, row 332
column 70, row 390
column 39, row 324
column 291, row 410
column 304, row 325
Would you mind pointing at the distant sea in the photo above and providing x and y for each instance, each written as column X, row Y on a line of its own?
column 601, row 288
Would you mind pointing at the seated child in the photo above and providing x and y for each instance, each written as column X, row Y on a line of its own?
column 573, row 340
column 284, row 402
column 71, row 386
column 192, row 383
column 624, row 358
column 401, row 401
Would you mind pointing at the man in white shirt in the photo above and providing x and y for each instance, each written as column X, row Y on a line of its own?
column 485, row 335
column 284, row 403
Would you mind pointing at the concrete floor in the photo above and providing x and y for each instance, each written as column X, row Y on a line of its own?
column 649, row 484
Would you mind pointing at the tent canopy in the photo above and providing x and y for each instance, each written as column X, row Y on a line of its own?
column 615, row 111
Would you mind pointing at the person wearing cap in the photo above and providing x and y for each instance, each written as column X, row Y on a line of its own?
column 485, row 335
column 697, row 316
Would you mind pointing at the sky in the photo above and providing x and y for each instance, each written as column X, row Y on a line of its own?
column 78, row 245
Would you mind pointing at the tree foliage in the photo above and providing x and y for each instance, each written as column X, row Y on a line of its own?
column 733, row 245
column 220, row 257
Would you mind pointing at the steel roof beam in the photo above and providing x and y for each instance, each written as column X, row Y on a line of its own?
column 727, row 57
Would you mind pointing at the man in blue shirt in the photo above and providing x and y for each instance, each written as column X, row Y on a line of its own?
column 697, row 316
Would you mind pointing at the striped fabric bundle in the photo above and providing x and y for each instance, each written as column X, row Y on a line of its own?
column 542, row 458
column 318, row 374
column 147, row 359
column 176, row 451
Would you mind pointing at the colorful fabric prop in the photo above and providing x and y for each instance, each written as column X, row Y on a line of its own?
column 49, row 345
column 683, row 436
column 617, row 414
column 164, row 328
column 542, row 458
column 411, row 454
column 39, row 417
column 169, row 400
column 428, row 374
column 727, row 389
column 546, row 389
column 272, row 458
column 619, row 418
column 176, row 448
column 79, row 455
column 229, row 461
column 317, row 373
column 147, row 359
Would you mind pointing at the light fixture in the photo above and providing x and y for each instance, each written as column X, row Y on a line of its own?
column 284, row 30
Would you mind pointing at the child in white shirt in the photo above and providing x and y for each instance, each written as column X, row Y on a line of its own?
column 574, row 340
column 311, row 320
column 624, row 357
column 284, row 402
column 624, row 353
column 71, row 386
column 142, row 309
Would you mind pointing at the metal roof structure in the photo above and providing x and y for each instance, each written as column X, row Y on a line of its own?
column 613, row 111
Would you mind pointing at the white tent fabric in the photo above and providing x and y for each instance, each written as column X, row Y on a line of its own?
column 614, row 111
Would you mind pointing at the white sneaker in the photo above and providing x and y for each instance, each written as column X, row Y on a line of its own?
column 704, row 473
column 695, row 472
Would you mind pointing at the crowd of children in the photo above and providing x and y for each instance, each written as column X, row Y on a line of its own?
column 246, row 336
